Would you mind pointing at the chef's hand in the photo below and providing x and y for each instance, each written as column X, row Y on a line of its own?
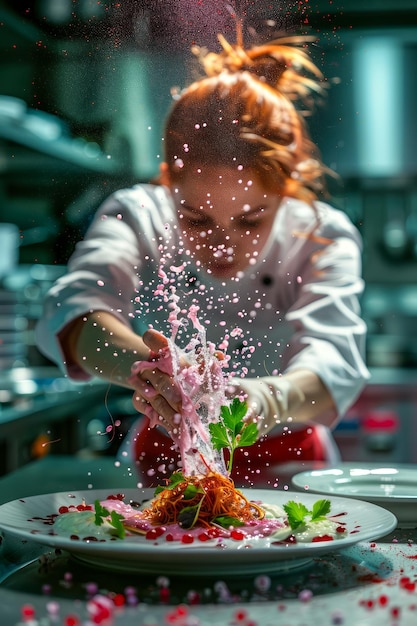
column 156, row 393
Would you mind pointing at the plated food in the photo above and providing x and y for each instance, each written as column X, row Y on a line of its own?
column 204, row 509
column 33, row 519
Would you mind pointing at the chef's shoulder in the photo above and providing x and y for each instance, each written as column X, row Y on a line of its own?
column 321, row 220
column 139, row 202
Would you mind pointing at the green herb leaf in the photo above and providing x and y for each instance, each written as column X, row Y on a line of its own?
column 191, row 491
column 174, row 480
column 218, row 436
column 248, row 436
column 188, row 515
column 116, row 522
column 296, row 513
column 100, row 513
column 320, row 509
column 225, row 521
column 233, row 416
column 231, row 431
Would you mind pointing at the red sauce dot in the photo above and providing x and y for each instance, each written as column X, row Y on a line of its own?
column 407, row 584
column 63, row 509
column 383, row 600
column 169, row 537
column 203, row 537
column 322, row 538
column 187, row 538
column 27, row 611
column 237, row 535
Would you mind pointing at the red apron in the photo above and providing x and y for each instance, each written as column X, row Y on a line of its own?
column 256, row 465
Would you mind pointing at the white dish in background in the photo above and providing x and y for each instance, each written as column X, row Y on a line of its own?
column 393, row 487
column 27, row 519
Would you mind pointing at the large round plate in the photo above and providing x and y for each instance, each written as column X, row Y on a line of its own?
column 392, row 486
column 25, row 518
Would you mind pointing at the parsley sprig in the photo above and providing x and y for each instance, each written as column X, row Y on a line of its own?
column 298, row 513
column 231, row 431
column 102, row 514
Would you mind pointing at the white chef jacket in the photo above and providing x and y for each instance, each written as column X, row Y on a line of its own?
column 298, row 305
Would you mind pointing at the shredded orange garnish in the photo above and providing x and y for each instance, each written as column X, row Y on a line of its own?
column 216, row 495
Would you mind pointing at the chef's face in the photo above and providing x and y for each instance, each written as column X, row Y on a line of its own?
column 226, row 216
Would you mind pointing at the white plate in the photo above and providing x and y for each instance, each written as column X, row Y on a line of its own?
column 26, row 518
column 392, row 486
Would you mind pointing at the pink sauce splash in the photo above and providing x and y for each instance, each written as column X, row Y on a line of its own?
column 202, row 383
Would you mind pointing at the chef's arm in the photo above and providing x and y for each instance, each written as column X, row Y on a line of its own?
column 318, row 404
column 103, row 346
column 296, row 397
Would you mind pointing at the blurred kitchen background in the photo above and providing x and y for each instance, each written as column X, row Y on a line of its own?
column 84, row 89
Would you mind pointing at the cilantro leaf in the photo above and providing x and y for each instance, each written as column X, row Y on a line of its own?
column 248, row 436
column 101, row 514
column 320, row 509
column 233, row 416
column 116, row 522
column 231, row 431
column 296, row 513
column 218, row 436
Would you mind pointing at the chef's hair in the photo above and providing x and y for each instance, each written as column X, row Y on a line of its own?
column 248, row 110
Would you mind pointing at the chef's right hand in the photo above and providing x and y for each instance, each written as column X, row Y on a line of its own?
column 156, row 393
